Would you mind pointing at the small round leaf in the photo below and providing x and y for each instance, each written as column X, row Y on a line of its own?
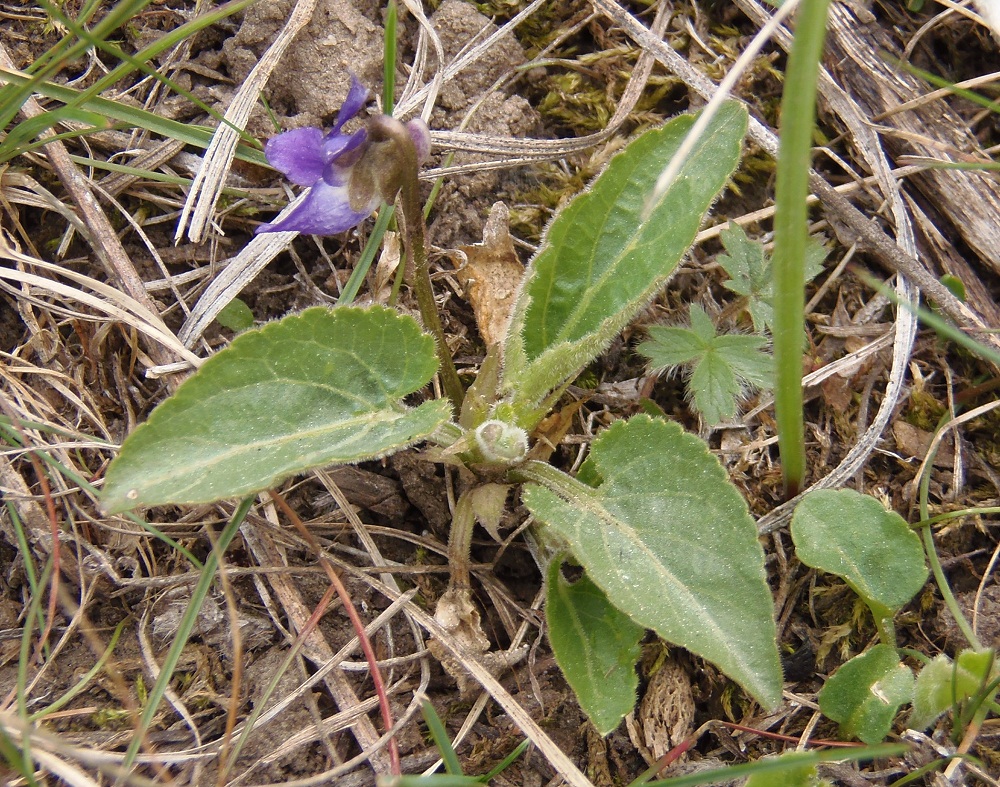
column 855, row 537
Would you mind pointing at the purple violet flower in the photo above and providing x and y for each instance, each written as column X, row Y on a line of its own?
column 338, row 197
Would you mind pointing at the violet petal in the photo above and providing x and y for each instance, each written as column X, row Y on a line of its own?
column 298, row 155
column 340, row 145
column 335, row 175
column 326, row 210
column 356, row 98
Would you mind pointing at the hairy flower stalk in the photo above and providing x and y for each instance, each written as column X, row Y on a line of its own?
column 348, row 176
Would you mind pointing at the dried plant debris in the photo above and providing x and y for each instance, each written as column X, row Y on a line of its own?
column 491, row 275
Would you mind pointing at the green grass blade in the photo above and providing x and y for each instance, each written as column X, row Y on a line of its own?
column 350, row 291
column 791, row 235
column 24, row 549
column 16, row 759
column 15, row 143
column 389, row 59
column 84, row 681
column 934, row 321
column 184, row 630
column 12, row 437
column 199, row 136
column 24, row 655
column 940, row 82
column 143, row 174
column 440, row 735
column 506, row 762
column 11, row 100
column 785, row 762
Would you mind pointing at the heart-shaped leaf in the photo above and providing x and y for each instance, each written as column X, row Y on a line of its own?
column 317, row 388
column 669, row 540
column 608, row 253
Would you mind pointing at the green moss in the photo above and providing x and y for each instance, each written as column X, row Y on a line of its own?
column 574, row 100
column 755, row 167
column 537, row 31
column 924, row 411
column 501, row 9
column 111, row 719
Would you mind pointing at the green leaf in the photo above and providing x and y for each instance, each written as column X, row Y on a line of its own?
column 942, row 684
column 979, row 663
column 236, row 316
column 865, row 694
column 669, row 540
column 750, row 274
column 855, row 537
column 670, row 347
column 604, row 258
column 955, row 286
column 596, row 647
column 745, row 356
column 317, row 388
column 721, row 366
column 816, row 253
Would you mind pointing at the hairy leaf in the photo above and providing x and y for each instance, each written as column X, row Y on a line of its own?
column 604, row 257
column 596, row 646
column 750, row 274
column 943, row 683
column 855, row 537
column 722, row 367
column 864, row 695
column 669, row 540
column 313, row 389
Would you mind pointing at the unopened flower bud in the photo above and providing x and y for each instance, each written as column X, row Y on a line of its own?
column 502, row 442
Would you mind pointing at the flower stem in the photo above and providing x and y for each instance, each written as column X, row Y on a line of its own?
column 405, row 178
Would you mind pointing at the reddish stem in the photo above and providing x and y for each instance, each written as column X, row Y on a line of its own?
column 359, row 628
